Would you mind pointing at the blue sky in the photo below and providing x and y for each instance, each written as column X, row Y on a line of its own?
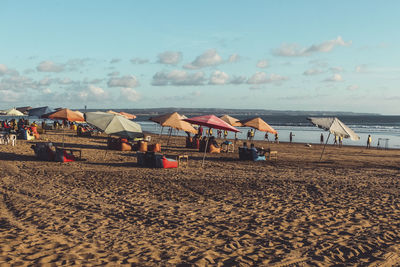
column 284, row 55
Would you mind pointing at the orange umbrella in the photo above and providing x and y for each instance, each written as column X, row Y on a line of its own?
column 65, row 114
column 258, row 124
column 128, row 115
column 231, row 120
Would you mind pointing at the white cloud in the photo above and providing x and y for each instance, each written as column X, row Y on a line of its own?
column 93, row 93
column 312, row 72
column 262, row 77
column 262, row 63
column 169, row 57
column 178, row 77
column 234, row 58
column 125, row 81
column 3, row 69
column 138, row 60
column 46, row 91
column 207, row 59
column 361, row 68
column 49, row 66
column 352, row 87
column 129, row 94
column 10, row 96
column 18, row 83
column 294, row 50
column 45, row 81
column 218, row 78
column 335, row 78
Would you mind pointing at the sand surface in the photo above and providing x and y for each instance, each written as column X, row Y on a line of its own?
column 296, row 211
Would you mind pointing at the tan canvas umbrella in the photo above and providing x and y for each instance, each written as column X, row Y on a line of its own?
column 258, row 124
column 173, row 120
column 231, row 120
column 128, row 115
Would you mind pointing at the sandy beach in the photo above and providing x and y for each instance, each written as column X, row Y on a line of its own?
column 106, row 210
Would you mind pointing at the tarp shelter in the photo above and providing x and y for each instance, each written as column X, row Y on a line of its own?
column 24, row 109
column 113, row 124
column 335, row 127
column 12, row 112
column 258, row 124
column 39, row 112
column 173, row 120
column 231, row 120
column 211, row 121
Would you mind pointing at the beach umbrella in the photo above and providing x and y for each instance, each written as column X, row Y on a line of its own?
column 128, row 115
column 174, row 121
column 211, row 121
column 231, row 120
column 113, row 124
column 335, row 127
column 64, row 114
column 12, row 112
column 39, row 112
column 258, row 124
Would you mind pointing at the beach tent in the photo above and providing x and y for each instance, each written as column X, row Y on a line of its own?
column 12, row 112
column 335, row 127
column 231, row 120
column 39, row 112
column 113, row 124
column 211, row 121
column 174, row 121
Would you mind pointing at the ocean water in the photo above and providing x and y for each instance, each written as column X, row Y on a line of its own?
column 379, row 127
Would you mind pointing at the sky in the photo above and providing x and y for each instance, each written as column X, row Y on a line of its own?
column 280, row 55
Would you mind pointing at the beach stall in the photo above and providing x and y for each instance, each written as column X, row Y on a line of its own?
column 212, row 122
column 335, row 127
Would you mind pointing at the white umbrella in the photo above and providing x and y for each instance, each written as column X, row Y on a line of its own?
column 12, row 112
column 335, row 127
column 113, row 124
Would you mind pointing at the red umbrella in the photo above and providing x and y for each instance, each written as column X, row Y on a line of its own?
column 211, row 121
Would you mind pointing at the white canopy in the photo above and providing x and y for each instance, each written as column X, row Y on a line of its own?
column 335, row 127
column 12, row 112
column 113, row 124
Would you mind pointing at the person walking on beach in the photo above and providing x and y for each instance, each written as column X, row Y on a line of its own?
column 291, row 137
column 369, row 140
column 276, row 138
column 340, row 141
column 225, row 134
column 251, row 135
column 321, row 139
column 266, row 137
column 335, row 140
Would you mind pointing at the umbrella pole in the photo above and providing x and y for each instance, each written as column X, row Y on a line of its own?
column 170, row 132
column 325, row 146
column 205, row 151
column 63, row 136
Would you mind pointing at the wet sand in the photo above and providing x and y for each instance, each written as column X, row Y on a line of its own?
column 294, row 211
